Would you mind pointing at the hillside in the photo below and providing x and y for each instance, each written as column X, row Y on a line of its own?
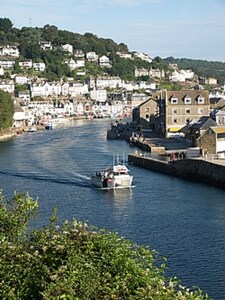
column 28, row 40
column 202, row 68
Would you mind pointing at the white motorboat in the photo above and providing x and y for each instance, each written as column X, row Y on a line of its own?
column 113, row 178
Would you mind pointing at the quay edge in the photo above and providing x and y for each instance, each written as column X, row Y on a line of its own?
column 199, row 170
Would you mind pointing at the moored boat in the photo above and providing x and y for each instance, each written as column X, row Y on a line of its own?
column 49, row 125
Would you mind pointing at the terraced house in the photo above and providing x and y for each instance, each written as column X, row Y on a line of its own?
column 178, row 108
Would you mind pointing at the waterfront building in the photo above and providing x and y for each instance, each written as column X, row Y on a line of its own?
column 146, row 115
column 213, row 141
column 178, row 108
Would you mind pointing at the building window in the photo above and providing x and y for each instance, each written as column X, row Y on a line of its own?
column 146, row 109
column 175, row 120
column 187, row 100
column 201, row 100
column 174, row 111
column 174, row 100
column 188, row 120
column 200, row 111
column 147, row 117
column 187, row 111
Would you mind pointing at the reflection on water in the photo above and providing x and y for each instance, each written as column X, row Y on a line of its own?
column 120, row 197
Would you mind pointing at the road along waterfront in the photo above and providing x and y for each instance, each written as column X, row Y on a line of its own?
column 182, row 220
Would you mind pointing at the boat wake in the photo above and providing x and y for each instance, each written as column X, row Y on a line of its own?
column 78, row 180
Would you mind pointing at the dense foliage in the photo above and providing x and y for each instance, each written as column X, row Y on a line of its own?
column 76, row 261
column 202, row 68
column 6, row 110
column 29, row 38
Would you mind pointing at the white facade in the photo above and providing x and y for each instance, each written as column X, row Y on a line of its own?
column 7, row 86
column 26, row 64
column 39, row 66
column 181, row 75
column 92, row 56
column 99, row 95
column 79, row 63
column 104, row 61
column 67, row 47
column 46, row 45
column 79, row 53
column 124, row 55
column 9, row 51
column 45, row 89
column 74, row 89
column 143, row 56
column 21, row 79
column 141, row 72
column 7, row 64
column 104, row 82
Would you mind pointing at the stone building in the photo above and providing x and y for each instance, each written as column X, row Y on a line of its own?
column 213, row 141
column 179, row 108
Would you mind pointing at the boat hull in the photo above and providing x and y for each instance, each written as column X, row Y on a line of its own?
column 112, row 183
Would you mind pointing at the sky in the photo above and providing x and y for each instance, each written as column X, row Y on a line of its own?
column 180, row 28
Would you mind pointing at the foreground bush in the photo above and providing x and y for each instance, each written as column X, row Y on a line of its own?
column 75, row 261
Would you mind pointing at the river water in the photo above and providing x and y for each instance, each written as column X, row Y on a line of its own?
column 184, row 221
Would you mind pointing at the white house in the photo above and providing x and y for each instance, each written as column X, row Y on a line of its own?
column 26, row 64
column 9, row 51
column 104, row 61
column 19, row 117
column 124, row 55
column 45, row 89
column 141, row 72
column 21, row 79
column 74, row 89
column 108, row 81
column 7, row 64
column 181, row 75
column 45, row 45
column 157, row 73
column 79, row 63
column 99, row 95
column 79, row 53
column 24, row 96
column 70, row 63
column 7, row 86
column 92, row 56
column 39, row 66
column 143, row 56
column 67, row 47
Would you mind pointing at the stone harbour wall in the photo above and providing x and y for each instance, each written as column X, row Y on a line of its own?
column 193, row 169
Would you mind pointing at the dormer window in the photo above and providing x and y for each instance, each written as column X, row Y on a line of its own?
column 187, row 100
column 201, row 100
column 174, row 100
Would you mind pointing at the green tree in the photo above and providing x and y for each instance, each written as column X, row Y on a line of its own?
column 76, row 261
column 5, row 24
column 6, row 110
